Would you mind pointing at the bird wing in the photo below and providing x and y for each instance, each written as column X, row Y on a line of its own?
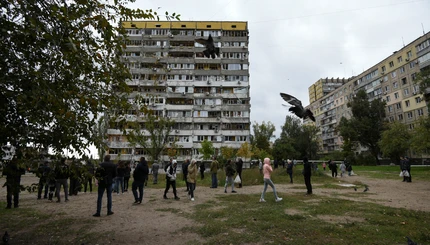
column 202, row 41
column 292, row 100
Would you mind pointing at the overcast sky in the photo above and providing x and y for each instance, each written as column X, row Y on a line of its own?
column 292, row 44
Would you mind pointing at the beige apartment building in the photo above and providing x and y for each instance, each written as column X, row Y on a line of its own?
column 391, row 80
column 207, row 98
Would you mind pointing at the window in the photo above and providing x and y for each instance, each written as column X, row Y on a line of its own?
column 387, row 88
column 398, row 106
column 409, row 54
column 406, row 91
column 420, row 112
column 414, row 76
column 399, row 59
column 395, row 84
column 404, row 81
column 393, row 74
column 418, row 100
column 391, row 63
column 400, row 117
column 390, row 108
column 412, row 65
column 407, row 103
column 409, row 114
column 402, row 70
column 383, row 69
column 388, row 98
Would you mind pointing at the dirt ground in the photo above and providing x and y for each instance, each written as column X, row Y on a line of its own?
column 147, row 223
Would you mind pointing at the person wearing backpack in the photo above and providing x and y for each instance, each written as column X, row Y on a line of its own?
column 105, row 174
column 171, row 179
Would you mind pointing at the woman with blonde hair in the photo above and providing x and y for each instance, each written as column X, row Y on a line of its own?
column 191, row 178
column 267, row 171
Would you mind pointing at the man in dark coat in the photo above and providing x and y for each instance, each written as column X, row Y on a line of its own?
column 140, row 175
column 239, row 166
column 62, row 173
column 13, row 180
column 307, row 172
column 105, row 174
column 185, row 172
column 43, row 173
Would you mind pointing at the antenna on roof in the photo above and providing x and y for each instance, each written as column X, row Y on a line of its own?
column 423, row 29
column 403, row 41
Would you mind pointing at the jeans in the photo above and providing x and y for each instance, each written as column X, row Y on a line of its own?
column 101, row 191
column 12, row 190
column 308, row 183
column 229, row 179
column 126, row 180
column 214, row 180
column 266, row 183
column 119, row 181
column 90, row 182
column 134, row 186
column 155, row 178
column 168, row 184
column 192, row 187
column 42, row 183
column 62, row 182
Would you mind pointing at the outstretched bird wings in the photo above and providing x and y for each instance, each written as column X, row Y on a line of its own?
column 297, row 107
column 211, row 50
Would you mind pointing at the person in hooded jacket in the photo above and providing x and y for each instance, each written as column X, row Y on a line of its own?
column 171, row 179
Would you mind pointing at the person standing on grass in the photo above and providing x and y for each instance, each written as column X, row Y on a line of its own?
column 267, row 171
column 62, row 173
column 42, row 173
column 105, row 174
column 342, row 169
column 214, row 172
column 239, row 166
column 229, row 174
column 171, row 179
column 202, row 170
column 307, row 172
column 13, row 181
column 290, row 166
column 154, row 172
column 140, row 174
column 119, row 181
column 127, row 175
column 192, row 178
column 260, row 166
column 333, row 167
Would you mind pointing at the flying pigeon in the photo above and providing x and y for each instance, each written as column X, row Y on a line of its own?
column 366, row 189
column 297, row 107
column 210, row 50
column 6, row 238
column 410, row 242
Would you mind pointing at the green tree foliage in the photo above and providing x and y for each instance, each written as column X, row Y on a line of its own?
column 61, row 63
column 262, row 134
column 244, row 151
column 152, row 133
column 207, row 149
column 100, row 135
column 420, row 141
column 366, row 124
column 228, row 152
column 395, row 141
column 296, row 140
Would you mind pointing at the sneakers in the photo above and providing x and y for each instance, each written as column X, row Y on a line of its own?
column 233, row 191
column 110, row 213
column 177, row 198
column 96, row 215
column 192, row 199
column 262, row 200
column 278, row 199
column 165, row 197
column 136, row 202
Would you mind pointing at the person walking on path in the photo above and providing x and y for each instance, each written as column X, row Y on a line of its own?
column 239, row 166
column 267, row 171
column 192, row 178
column 171, row 179
column 307, row 172
column 214, row 172
column 140, row 174
column 229, row 174
column 105, row 174
column 185, row 172
column 154, row 172
column 333, row 167
column 127, row 176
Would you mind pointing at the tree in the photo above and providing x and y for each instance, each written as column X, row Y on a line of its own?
column 262, row 134
column 228, row 152
column 244, row 151
column 207, row 149
column 420, row 139
column 395, row 141
column 60, row 62
column 152, row 133
column 100, row 133
column 366, row 124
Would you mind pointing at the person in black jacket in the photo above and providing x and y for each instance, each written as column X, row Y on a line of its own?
column 307, row 172
column 43, row 173
column 13, row 180
column 140, row 175
column 61, row 175
column 127, row 176
column 105, row 174
column 239, row 166
column 119, row 180
column 185, row 172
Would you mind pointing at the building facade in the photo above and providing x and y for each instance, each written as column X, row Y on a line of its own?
column 207, row 98
column 392, row 80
